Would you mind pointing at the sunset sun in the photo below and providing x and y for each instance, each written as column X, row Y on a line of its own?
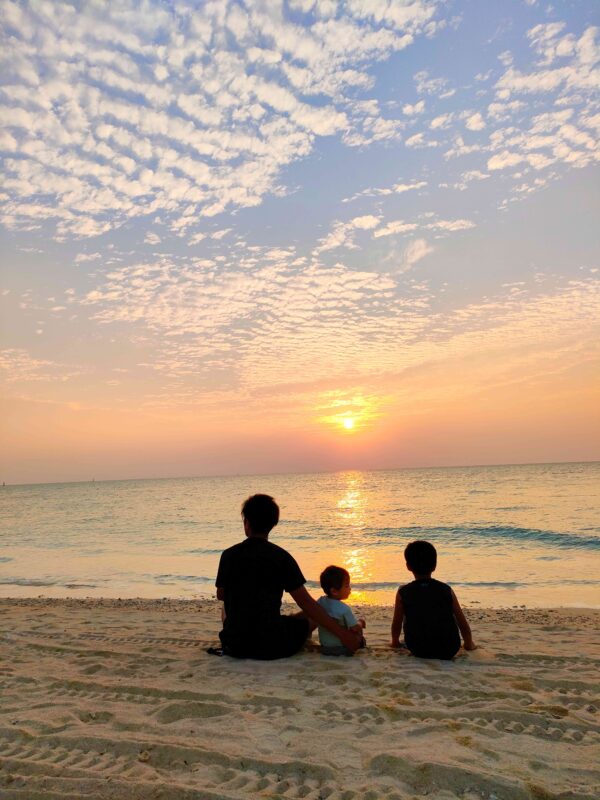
column 348, row 423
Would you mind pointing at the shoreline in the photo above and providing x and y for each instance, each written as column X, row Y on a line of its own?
column 118, row 700
column 287, row 607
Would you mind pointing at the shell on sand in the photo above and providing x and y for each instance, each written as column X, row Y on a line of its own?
column 118, row 699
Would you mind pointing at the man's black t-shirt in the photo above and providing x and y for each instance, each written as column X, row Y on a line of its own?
column 430, row 630
column 254, row 574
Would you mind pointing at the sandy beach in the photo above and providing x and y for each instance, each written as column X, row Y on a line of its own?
column 118, row 699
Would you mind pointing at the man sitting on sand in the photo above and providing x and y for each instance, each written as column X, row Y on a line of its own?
column 251, row 579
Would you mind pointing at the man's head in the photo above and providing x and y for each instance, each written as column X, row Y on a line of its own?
column 260, row 513
column 335, row 582
column 421, row 557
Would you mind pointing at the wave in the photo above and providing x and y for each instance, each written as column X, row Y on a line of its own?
column 174, row 579
column 492, row 533
column 392, row 585
column 46, row 582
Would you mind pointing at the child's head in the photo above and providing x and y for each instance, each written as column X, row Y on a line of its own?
column 421, row 557
column 335, row 582
column 260, row 513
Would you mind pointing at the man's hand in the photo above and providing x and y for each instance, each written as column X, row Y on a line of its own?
column 350, row 639
column 469, row 644
column 362, row 623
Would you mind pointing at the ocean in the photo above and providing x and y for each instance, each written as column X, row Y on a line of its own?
column 506, row 535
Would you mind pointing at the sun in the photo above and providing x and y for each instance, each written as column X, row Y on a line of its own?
column 348, row 415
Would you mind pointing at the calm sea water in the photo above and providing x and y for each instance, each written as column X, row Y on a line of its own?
column 510, row 535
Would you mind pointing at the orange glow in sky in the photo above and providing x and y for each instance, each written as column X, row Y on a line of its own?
column 235, row 246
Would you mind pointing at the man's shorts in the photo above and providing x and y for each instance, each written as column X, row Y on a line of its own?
column 286, row 641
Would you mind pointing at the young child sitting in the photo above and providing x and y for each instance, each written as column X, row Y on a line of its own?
column 431, row 613
column 335, row 582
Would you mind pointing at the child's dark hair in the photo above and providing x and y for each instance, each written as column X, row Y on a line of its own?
column 262, row 513
column 333, row 578
column 421, row 557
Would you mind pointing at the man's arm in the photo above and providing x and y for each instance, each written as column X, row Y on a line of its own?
column 220, row 579
column 397, row 621
column 313, row 610
column 463, row 625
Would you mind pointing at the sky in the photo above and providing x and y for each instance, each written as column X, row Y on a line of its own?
column 253, row 237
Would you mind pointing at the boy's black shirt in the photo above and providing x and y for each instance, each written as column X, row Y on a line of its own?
column 430, row 630
column 254, row 574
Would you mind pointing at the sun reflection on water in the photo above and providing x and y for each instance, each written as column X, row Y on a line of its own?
column 352, row 512
column 359, row 565
column 351, row 505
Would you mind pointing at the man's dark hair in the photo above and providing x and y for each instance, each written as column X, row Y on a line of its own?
column 262, row 513
column 333, row 578
column 421, row 557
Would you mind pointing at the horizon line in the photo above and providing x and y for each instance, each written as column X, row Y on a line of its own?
column 304, row 472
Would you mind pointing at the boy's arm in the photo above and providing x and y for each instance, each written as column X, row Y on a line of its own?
column 220, row 593
column 398, row 619
column 313, row 610
column 463, row 625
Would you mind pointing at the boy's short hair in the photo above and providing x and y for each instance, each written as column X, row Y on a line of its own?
column 333, row 578
column 421, row 557
column 262, row 513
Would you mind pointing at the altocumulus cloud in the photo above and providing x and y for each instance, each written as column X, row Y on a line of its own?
column 116, row 111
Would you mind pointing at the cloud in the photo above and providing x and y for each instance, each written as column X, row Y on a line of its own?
column 342, row 233
column 475, row 122
column 397, row 226
column 18, row 366
column 81, row 258
column 439, row 225
column 418, row 140
column 503, row 160
column 263, row 319
column 105, row 125
column 432, row 86
column 442, row 121
column 450, row 225
column 416, row 108
column 416, row 251
column 468, row 177
column 107, row 128
column 218, row 235
column 580, row 72
column 397, row 188
column 538, row 117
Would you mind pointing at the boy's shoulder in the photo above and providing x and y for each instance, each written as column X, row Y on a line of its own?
column 331, row 603
column 419, row 584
